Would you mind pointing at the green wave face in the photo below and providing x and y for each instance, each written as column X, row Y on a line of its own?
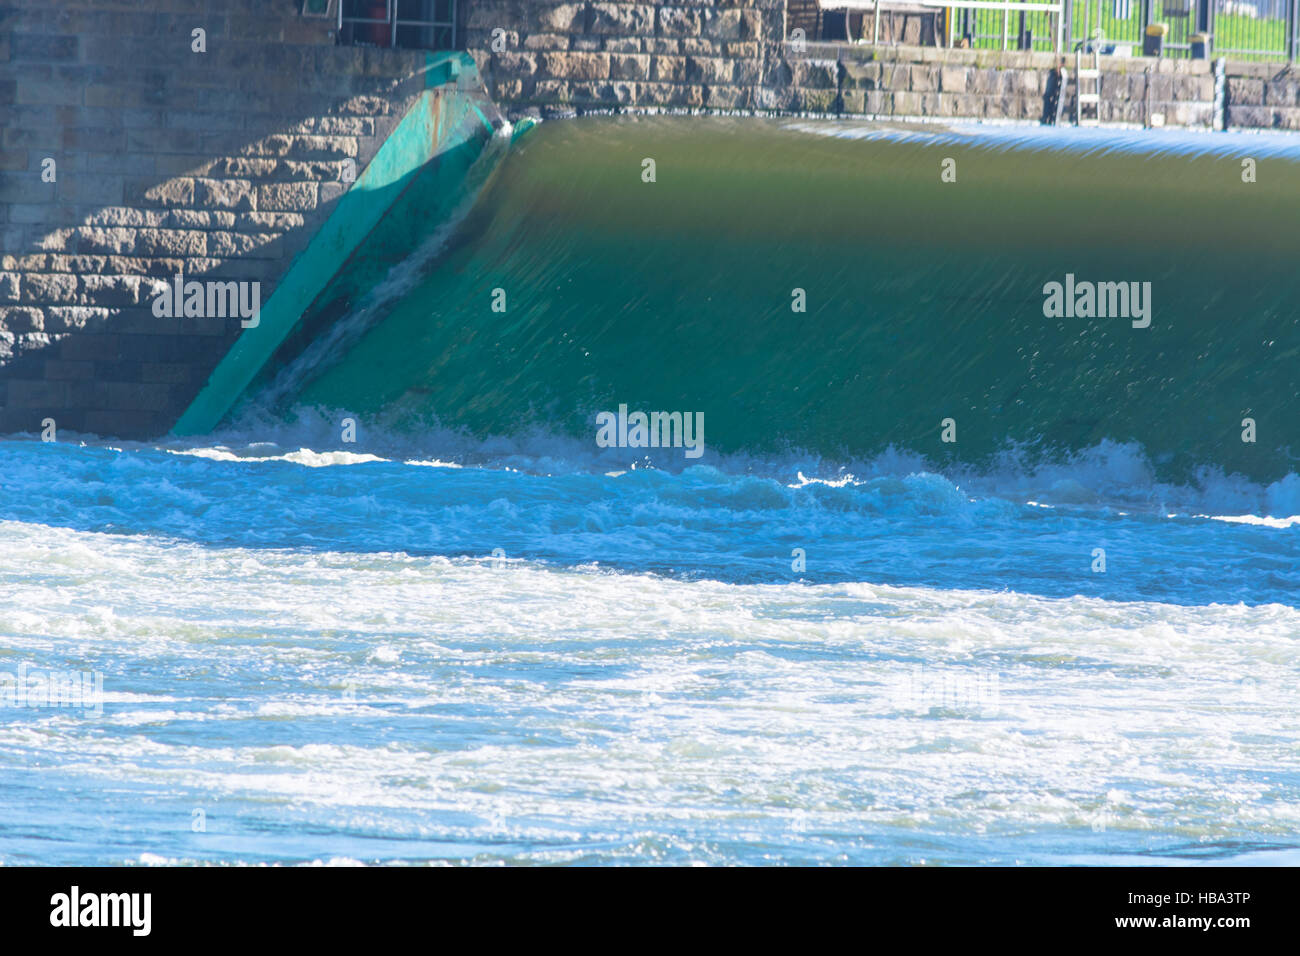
column 925, row 298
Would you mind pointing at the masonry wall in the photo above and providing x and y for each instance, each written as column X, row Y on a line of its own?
column 733, row 54
column 716, row 54
column 1262, row 96
column 992, row 85
column 217, row 165
column 969, row 84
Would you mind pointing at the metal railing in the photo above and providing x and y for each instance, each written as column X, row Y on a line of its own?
column 1025, row 15
column 1255, row 29
column 1000, row 16
column 1241, row 29
column 1009, row 26
column 417, row 24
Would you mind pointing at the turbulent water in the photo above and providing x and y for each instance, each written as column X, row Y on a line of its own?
column 472, row 635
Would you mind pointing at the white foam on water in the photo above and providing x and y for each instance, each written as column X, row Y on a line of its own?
column 388, row 706
column 1170, row 141
column 1109, row 475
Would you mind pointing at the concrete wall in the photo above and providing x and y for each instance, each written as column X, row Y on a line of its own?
column 221, row 163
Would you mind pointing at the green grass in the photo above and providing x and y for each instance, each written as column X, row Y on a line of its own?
column 1238, row 32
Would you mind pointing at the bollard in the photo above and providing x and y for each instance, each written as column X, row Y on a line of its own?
column 1153, row 44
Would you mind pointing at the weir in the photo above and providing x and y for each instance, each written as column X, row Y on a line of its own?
column 241, row 143
column 423, row 164
column 819, row 287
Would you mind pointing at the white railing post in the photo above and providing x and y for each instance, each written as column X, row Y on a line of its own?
column 1293, row 24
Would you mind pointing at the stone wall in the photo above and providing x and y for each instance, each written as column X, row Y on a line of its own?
column 732, row 54
column 1263, row 96
column 214, row 164
column 903, row 81
column 691, row 53
column 992, row 85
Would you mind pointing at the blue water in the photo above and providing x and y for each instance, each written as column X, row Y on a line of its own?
column 475, row 636
column 500, row 655
column 901, row 528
